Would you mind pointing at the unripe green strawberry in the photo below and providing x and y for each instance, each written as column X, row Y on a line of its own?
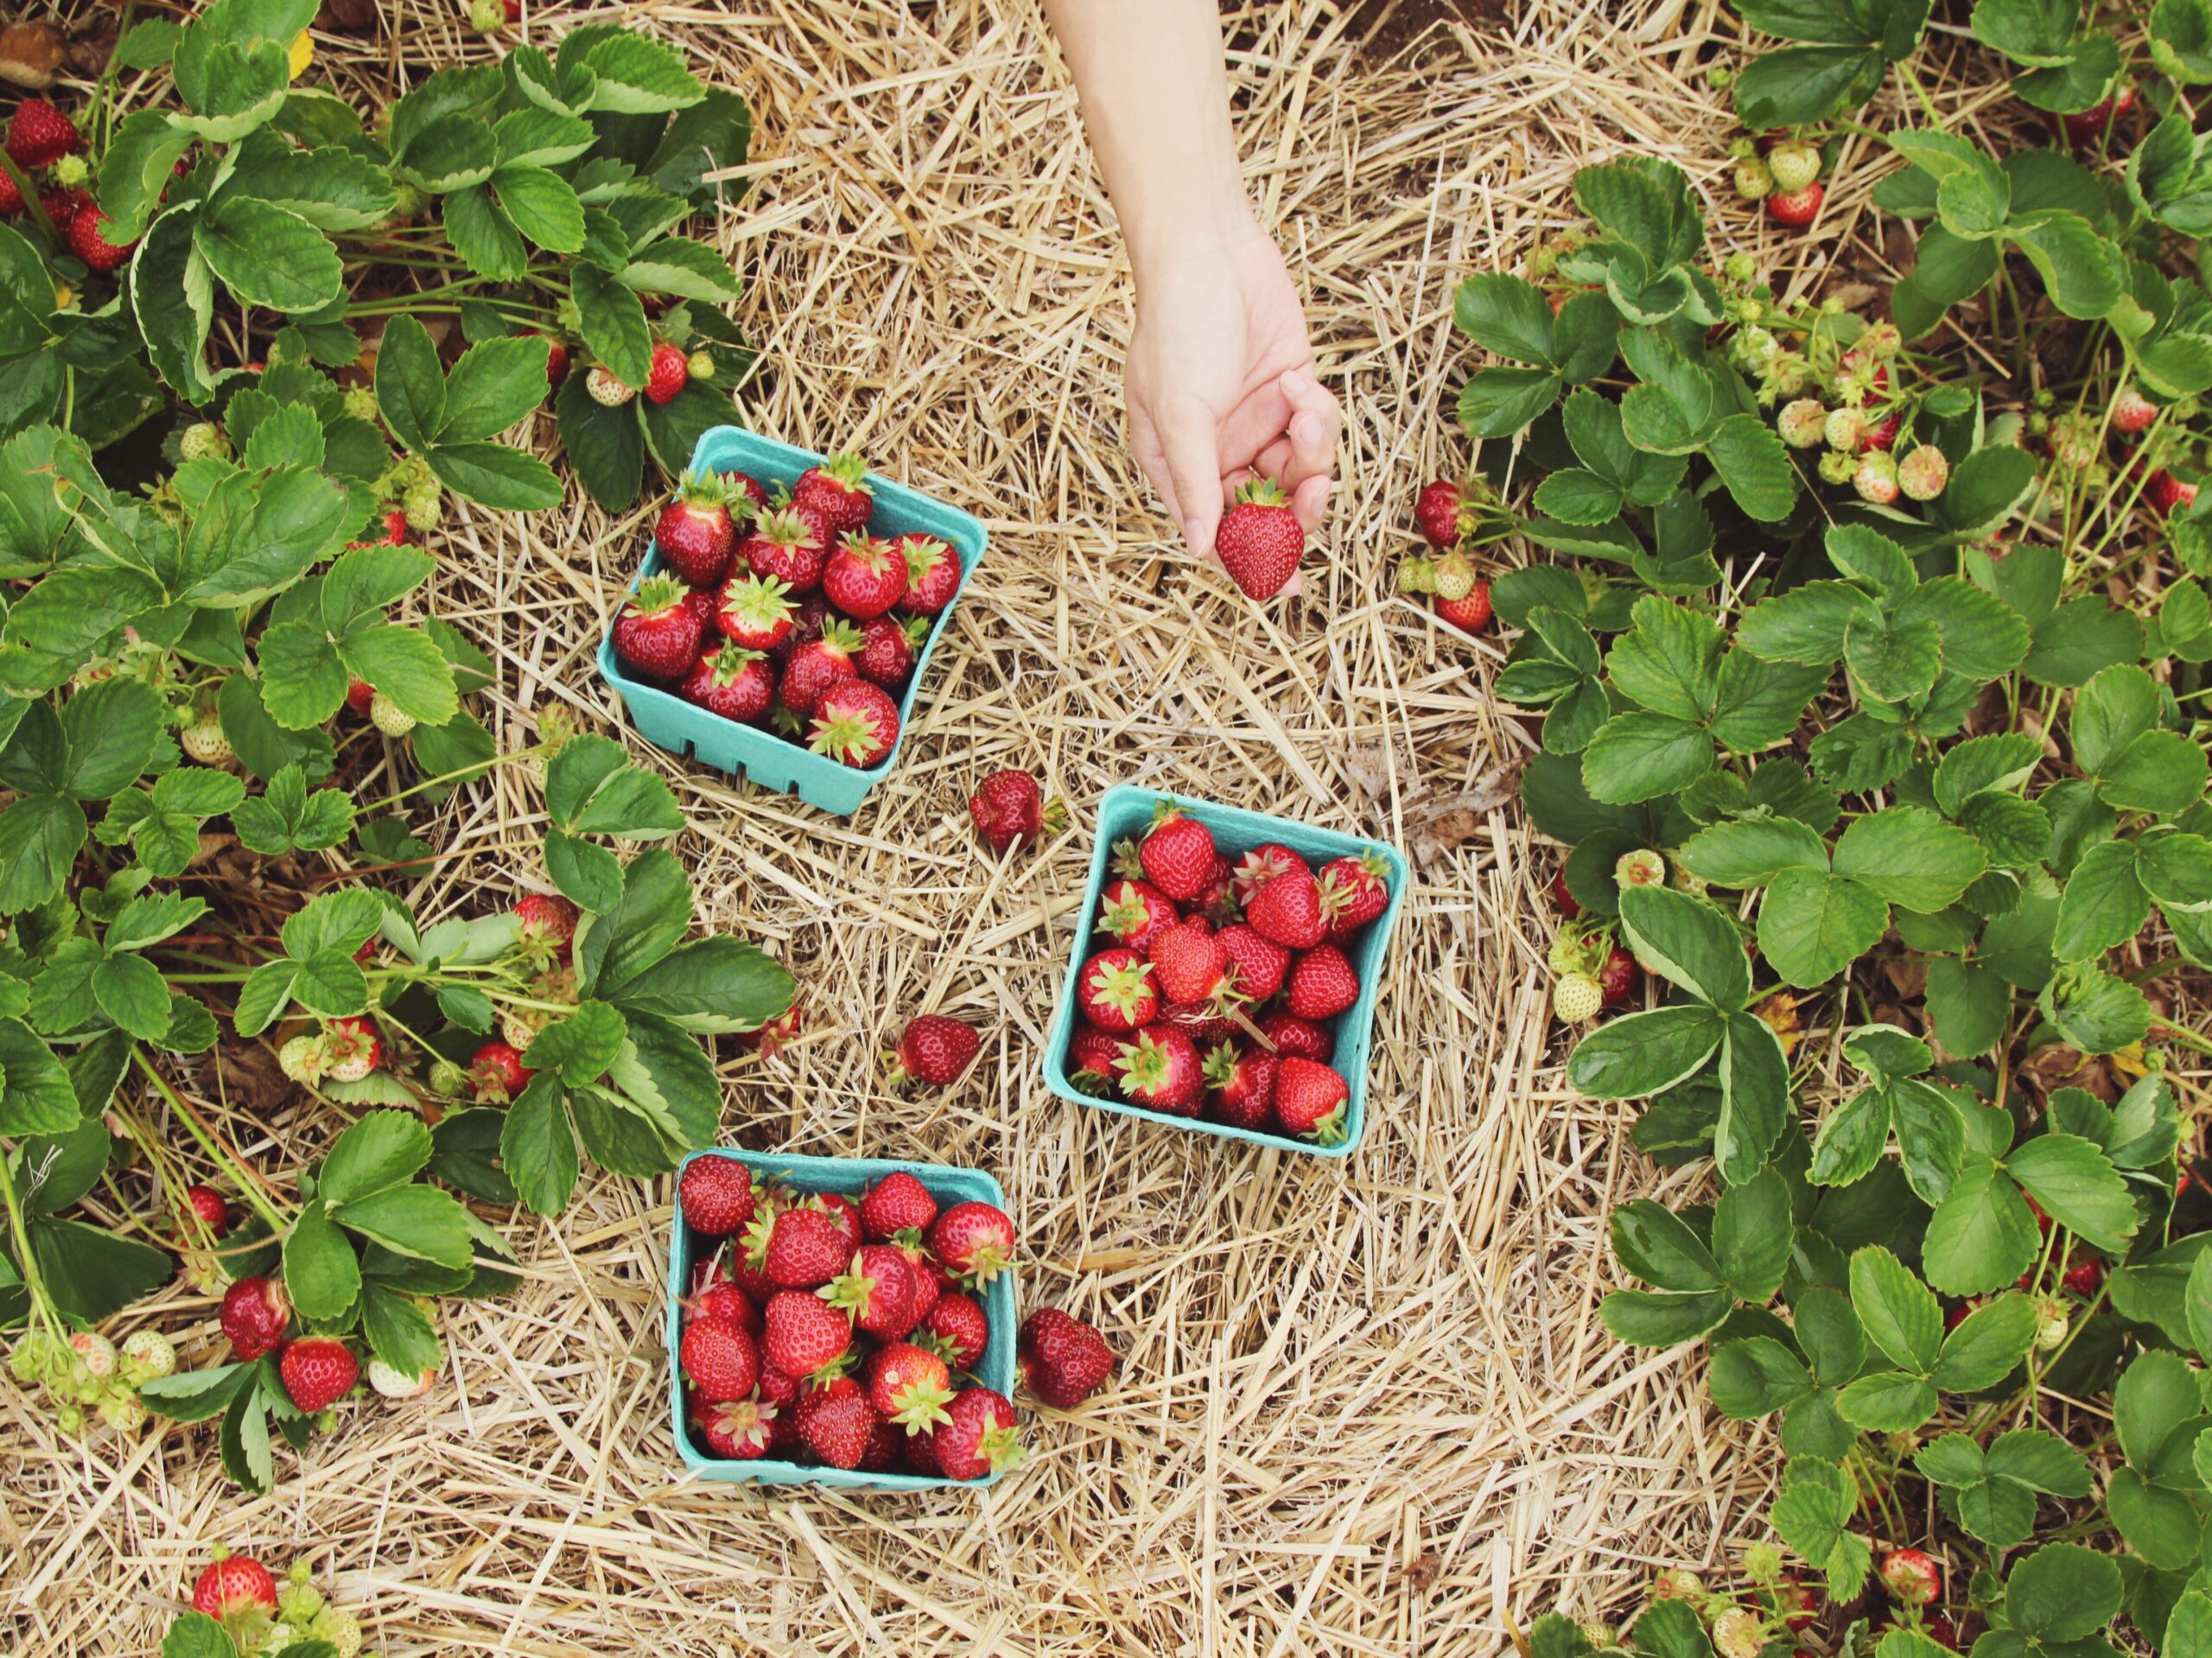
column 1882, row 340
column 1876, row 478
column 1844, row 428
column 1803, row 424
column 71, row 172
column 1738, row 1633
column 361, row 403
column 700, row 366
column 388, row 717
column 124, row 1413
column 304, row 1058
column 424, row 505
column 486, row 15
column 1793, row 165
column 606, row 389
column 1642, row 867
column 1739, row 267
column 1417, row 574
column 1754, row 179
column 340, row 1628
column 1569, row 950
column 1787, row 375
column 2051, row 1324
column 390, row 1384
column 1837, row 466
column 204, row 742
column 203, row 440
column 1922, row 473
column 1576, row 998
column 1455, row 575
column 149, row 1354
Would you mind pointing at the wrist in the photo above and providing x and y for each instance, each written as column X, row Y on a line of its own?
column 1206, row 227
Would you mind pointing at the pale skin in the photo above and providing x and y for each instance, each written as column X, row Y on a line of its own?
column 1220, row 374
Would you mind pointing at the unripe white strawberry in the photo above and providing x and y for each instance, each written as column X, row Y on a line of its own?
column 605, row 389
column 1876, row 478
column 487, row 17
column 70, row 1418
column 1455, row 576
column 1804, row 423
column 1882, row 340
column 124, row 1413
column 388, row 717
column 1922, row 473
column 1794, row 165
column 1575, row 998
column 2131, row 411
column 304, row 1058
column 204, row 742
column 149, row 1355
column 341, row 1629
column 1787, row 375
column 94, row 1351
column 1843, row 430
column 518, row 1028
column 202, row 440
column 1642, row 867
column 700, row 366
column 1754, row 179
column 1417, row 574
column 424, row 506
column 393, row 1383
column 354, row 1047
column 2051, row 1324
column 2073, row 440
column 1738, row 1633
column 1599, row 1633
column 1677, row 1582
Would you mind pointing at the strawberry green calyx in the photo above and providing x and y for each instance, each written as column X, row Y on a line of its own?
column 1127, row 865
column 1262, row 492
column 1125, row 987
column 847, row 468
column 1331, row 1130
column 851, row 1291
column 843, row 634
column 922, row 553
column 708, row 490
column 1146, row 1065
column 847, row 737
column 1000, row 1446
column 729, row 662
column 786, row 528
column 657, row 593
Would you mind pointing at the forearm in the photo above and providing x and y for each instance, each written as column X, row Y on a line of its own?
column 1155, row 103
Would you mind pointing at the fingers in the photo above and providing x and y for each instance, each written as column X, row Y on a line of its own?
column 1310, row 501
column 1316, row 422
column 1189, row 441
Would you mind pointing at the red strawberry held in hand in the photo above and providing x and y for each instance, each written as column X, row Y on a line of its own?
column 784, row 545
column 973, row 1241
column 897, row 1203
column 1178, row 855
column 1436, row 509
column 813, row 668
column 834, row 496
column 855, row 723
column 1260, row 540
column 934, row 1049
column 865, row 576
column 734, row 682
column 978, row 1438
column 695, row 532
column 1160, row 1070
column 719, row 1359
column 932, row 573
column 656, row 635
column 1009, row 809
column 40, row 134
column 671, row 370
column 318, row 1371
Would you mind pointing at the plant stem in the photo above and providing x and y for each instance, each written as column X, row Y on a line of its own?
column 250, row 1184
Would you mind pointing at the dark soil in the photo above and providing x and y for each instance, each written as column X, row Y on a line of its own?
column 1386, row 28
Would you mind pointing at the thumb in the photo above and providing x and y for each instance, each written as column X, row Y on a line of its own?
column 1187, row 437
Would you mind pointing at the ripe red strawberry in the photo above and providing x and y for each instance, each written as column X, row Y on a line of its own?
column 1009, row 809
column 1310, row 1100
column 814, row 667
column 557, row 364
column 1260, row 540
column 1114, row 990
column 1065, row 1361
column 978, row 1438
column 88, row 239
column 2132, row 412
column 61, row 206
column 1288, row 910
column 812, row 615
column 934, row 1049
column 928, row 1274
column 1131, row 912
column 672, row 368
column 745, row 484
column 1436, row 509
column 1561, row 897
column 1911, row 1577
column 254, row 1317
column 716, row 1195
column 1258, row 866
column 11, row 199
column 958, row 1329
column 842, row 1211
column 656, row 635
column 885, row 1442
column 1240, row 1087
column 2164, row 492
column 1353, row 890
column 1322, row 984
column 897, row 1203
column 855, row 723
column 1160, row 1070
column 1094, row 1060
column 1470, row 614
column 396, row 534
column 496, row 1072
column 772, row 1037
column 1189, row 963
column 785, row 546
column 209, row 1208
column 695, row 531
column 549, row 921
column 733, row 681
column 865, row 576
column 806, row 1249
column 932, row 573
column 234, row 1589
column 1796, row 208
column 353, row 1048
column 719, row 1359
column 717, row 1298
column 886, row 653
column 755, row 612
column 2087, row 129
column 835, row 495
column 1177, row 854
column 1797, row 1604
column 1298, row 1038
column 834, row 1421
column 917, row 1455
column 736, row 1430
column 804, row 1332
column 909, row 1385
column 318, row 1371
column 877, row 1290
column 1617, row 978
column 973, row 1241
column 40, row 135
column 1256, row 962
column 706, row 604
column 2085, row 1275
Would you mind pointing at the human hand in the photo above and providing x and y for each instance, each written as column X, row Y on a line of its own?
column 1221, row 384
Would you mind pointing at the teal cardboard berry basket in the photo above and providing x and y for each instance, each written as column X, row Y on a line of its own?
column 1124, row 814
column 666, row 721
column 850, row 1176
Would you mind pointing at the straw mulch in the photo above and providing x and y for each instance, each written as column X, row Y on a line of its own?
column 1363, row 1408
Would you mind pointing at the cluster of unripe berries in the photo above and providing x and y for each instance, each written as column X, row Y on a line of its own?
column 673, row 368
column 87, row 1375
column 1786, row 177
column 261, row 1614
column 1449, row 513
column 1853, row 411
column 1594, row 973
